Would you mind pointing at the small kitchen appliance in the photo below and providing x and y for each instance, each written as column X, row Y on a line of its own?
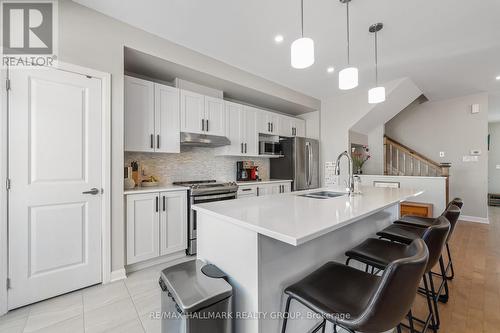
column 269, row 148
column 246, row 171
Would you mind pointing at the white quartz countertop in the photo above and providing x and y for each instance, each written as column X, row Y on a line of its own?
column 293, row 219
column 257, row 182
column 159, row 188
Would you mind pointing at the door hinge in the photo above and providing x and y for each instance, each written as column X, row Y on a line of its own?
column 7, row 183
column 8, row 283
column 7, row 84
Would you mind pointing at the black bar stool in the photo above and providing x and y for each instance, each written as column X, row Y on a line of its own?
column 358, row 301
column 425, row 222
column 379, row 253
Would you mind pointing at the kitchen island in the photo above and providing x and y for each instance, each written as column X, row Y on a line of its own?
column 266, row 243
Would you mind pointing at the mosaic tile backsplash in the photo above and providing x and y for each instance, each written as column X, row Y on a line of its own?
column 193, row 163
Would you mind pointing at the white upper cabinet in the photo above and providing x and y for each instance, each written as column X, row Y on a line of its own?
column 192, row 112
column 234, row 129
column 139, row 115
column 290, row 126
column 151, row 117
column 202, row 114
column 167, row 124
column 251, row 135
column 214, row 116
column 268, row 122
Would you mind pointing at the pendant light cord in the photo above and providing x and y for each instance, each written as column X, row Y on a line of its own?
column 376, row 59
column 302, row 17
column 348, row 37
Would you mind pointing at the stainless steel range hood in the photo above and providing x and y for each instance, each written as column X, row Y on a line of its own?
column 203, row 140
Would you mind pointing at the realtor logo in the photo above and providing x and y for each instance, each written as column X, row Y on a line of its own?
column 28, row 33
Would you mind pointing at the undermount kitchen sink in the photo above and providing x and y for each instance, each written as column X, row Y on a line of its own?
column 323, row 195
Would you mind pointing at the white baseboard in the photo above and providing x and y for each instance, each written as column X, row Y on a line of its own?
column 118, row 274
column 475, row 219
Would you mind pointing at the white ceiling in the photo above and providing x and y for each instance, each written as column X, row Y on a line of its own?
column 447, row 47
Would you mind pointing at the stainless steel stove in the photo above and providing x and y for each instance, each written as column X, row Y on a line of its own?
column 203, row 191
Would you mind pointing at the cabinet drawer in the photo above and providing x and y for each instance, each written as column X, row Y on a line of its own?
column 244, row 191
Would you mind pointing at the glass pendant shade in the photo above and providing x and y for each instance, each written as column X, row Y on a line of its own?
column 302, row 53
column 376, row 95
column 348, row 78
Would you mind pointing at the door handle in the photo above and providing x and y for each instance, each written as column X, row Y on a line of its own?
column 92, row 191
column 245, row 148
column 164, row 203
column 242, row 147
column 158, row 141
column 151, row 141
column 258, row 192
column 203, row 124
column 156, row 200
column 272, row 127
column 207, row 124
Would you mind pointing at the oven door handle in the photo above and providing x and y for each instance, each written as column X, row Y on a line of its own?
column 216, row 196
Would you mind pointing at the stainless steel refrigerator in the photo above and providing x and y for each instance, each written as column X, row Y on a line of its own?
column 300, row 163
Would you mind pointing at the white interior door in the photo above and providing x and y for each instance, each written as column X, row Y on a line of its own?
column 54, row 156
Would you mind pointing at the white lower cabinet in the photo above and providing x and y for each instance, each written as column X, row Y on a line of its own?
column 254, row 190
column 156, row 224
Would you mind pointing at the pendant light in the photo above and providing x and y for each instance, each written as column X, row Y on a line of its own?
column 302, row 50
column 377, row 94
column 348, row 77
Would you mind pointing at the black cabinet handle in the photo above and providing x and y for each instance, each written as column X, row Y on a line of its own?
column 151, row 141
column 242, row 147
column 156, row 199
column 269, row 127
column 203, row 124
column 246, row 189
column 245, row 148
column 258, row 192
column 207, row 124
column 158, row 141
column 272, row 127
column 164, row 204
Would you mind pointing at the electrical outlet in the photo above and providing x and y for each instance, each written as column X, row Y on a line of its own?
column 441, row 154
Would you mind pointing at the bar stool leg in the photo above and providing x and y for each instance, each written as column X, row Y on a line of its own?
column 285, row 314
column 443, row 298
column 429, row 305
column 450, row 264
column 434, row 300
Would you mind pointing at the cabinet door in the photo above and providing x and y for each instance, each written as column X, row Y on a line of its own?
column 264, row 189
column 214, row 116
column 139, row 115
column 264, row 122
column 234, row 129
column 300, row 127
column 286, row 126
column 275, row 188
column 173, row 222
column 142, row 227
column 192, row 112
column 251, row 134
column 245, row 191
column 287, row 187
column 275, row 120
column 167, row 126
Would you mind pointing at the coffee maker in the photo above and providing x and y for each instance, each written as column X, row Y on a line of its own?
column 246, row 171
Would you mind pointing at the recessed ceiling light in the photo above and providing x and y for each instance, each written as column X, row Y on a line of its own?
column 278, row 39
column 498, row 78
column 330, row 69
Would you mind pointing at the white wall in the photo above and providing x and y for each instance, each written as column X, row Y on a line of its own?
column 494, row 158
column 375, row 165
column 450, row 127
column 90, row 39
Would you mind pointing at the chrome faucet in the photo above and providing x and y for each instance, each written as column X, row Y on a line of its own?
column 350, row 171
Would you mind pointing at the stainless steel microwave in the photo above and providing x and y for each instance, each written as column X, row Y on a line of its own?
column 269, row 148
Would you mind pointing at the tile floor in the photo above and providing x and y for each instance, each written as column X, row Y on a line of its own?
column 122, row 307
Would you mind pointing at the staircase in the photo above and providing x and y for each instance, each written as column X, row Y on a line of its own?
column 400, row 160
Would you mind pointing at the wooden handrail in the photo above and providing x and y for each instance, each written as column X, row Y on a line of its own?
column 413, row 153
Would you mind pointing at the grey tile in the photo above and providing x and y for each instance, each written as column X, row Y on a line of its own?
column 110, row 316
column 73, row 325
column 142, row 281
column 150, row 323
column 133, row 326
column 148, row 301
column 55, row 310
column 14, row 321
column 98, row 296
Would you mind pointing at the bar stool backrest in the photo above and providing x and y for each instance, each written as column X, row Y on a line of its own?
column 452, row 213
column 395, row 293
column 435, row 238
column 457, row 202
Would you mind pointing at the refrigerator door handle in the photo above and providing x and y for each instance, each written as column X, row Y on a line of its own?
column 309, row 168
